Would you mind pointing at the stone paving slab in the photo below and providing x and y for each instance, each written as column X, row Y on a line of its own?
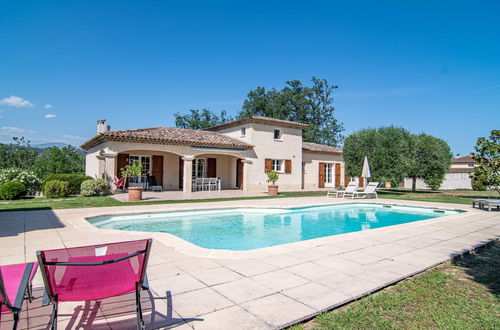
column 266, row 288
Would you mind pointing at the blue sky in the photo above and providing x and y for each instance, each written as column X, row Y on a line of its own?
column 430, row 67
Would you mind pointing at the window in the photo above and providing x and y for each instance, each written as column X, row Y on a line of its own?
column 243, row 131
column 278, row 165
column 277, row 134
column 470, row 164
column 145, row 161
column 199, row 168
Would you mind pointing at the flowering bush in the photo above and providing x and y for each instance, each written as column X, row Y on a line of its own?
column 27, row 178
column 98, row 187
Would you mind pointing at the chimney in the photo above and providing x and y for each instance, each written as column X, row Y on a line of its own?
column 101, row 126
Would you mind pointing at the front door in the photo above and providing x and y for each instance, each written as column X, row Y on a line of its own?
column 158, row 169
column 239, row 174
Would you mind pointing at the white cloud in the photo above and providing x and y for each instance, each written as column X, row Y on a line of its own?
column 49, row 115
column 13, row 129
column 72, row 137
column 16, row 101
column 48, row 106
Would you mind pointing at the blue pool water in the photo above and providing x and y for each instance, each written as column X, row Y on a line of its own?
column 246, row 229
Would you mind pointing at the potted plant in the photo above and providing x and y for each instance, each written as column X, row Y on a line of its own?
column 272, row 177
column 134, row 169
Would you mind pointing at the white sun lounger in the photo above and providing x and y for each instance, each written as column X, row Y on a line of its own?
column 486, row 202
column 371, row 189
column 351, row 187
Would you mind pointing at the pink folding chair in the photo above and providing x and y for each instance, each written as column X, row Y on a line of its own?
column 95, row 272
column 15, row 285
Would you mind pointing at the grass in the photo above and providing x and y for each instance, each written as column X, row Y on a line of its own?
column 455, row 196
column 463, row 294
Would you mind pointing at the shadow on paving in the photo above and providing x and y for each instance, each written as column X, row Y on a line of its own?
column 14, row 223
column 111, row 313
column 483, row 266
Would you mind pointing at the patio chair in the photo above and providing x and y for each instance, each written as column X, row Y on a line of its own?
column 212, row 184
column 351, row 187
column 371, row 189
column 15, row 285
column 95, row 272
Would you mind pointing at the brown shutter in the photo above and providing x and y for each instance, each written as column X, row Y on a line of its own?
column 211, row 167
column 288, row 166
column 321, row 179
column 337, row 174
column 121, row 162
column 268, row 165
column 347, row 178
column 181, row 173
column 239, row 174
column 158, row 169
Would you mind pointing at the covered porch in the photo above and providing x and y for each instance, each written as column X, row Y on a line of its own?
column 169, row 172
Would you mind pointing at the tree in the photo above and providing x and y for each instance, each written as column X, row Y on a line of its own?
column 200, row 119
column 390, row 151
column 59, row 161
column 18, row 154
column 431, row 160
column 487, row 161
column 296, row 102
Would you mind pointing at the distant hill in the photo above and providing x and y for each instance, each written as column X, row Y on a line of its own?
column 50, row 144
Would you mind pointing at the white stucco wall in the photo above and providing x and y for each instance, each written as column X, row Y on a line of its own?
column 451, row 181
column 266, row 147
column 311, row 168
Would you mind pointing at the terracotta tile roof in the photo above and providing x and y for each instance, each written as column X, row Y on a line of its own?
column 320, row 148
column 460, row 170
column 169, row 135
column 258, row 120
column 464, row 159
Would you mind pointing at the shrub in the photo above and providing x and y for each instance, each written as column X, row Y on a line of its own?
column 55, row 189
column 74, row 181
column 272, row 177
column 28, row 178
column 98, row 187
column 12, row 190
column 478, row 185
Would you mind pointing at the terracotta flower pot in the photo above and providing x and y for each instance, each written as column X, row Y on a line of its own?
column 387, row 184
column 134, row 194
column 272, row 190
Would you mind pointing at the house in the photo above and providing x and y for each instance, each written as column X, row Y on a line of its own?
column 238, row 152
column 457, row 176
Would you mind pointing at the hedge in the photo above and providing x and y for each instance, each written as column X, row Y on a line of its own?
column 74, row 181
column 55, row 189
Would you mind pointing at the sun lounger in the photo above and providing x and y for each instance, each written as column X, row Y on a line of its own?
column 370, row 190
column 486, row 202
column 15, row 285
column 95, row 272
column 351, row 187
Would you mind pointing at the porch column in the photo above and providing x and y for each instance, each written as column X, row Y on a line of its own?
column 246, row 177
column 188, row 173
column 342, row 174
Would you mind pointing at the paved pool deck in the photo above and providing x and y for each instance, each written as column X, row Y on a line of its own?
column 265, row 288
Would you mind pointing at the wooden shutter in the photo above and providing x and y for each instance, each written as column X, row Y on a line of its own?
column 121, row 162
column 158, row 169
column 337, row 174
column 268, row 165
column 212, row 167
column 181, row 173
column 321, row 178
column 288, row 166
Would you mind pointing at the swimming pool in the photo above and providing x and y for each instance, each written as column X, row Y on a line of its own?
column 247, row 229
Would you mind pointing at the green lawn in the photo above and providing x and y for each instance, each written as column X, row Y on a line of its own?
column 455, row 196
column 464, row 294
